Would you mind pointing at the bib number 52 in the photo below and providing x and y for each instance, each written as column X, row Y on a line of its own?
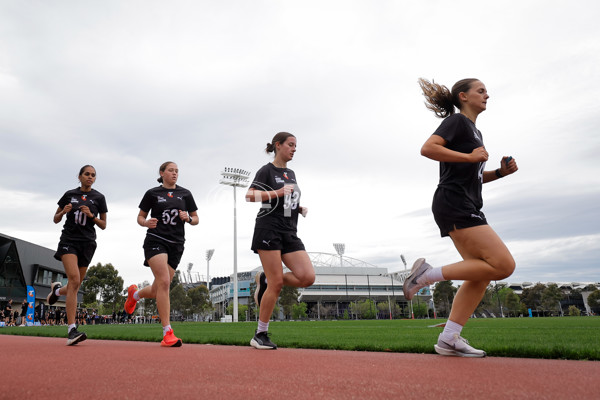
column 169, row 217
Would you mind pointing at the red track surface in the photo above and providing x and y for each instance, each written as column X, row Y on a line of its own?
column 102, row 369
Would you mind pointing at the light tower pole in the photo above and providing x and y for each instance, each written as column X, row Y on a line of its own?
column 340, row 248
column 209, row 254
column 412, row 314
column 237, row 178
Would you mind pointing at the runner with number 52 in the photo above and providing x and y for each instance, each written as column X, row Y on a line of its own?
column 77, row 242
column 170, row 207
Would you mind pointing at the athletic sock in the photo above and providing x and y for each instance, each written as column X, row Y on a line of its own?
column 72, row 326
column 136, row 295
column 262, row 326
column 450, row 329
column 434, row 275
column 166, row 329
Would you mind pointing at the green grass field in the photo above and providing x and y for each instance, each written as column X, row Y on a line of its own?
column 575, row 338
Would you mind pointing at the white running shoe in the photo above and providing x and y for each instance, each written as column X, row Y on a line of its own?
column 415, row 282
column 458, row 346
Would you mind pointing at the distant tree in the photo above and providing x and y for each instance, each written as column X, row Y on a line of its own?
column 420, row 309
column 551, row 297
column 532, row 297
column 512, row 302
column 590, row 288
column 287, row 299
column 201, row 303
column 365, row 309
column 179, row 300
column 104, row 283
column 443, row 295
column 574, row 311
column 384, row 308
column 593, row 301
column 242, row 308
column 299, row 311
column 325, row 311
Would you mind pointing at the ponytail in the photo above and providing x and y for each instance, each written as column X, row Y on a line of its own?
column 440, row 100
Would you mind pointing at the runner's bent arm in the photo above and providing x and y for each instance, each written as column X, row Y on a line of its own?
column 255, row 195
column 141, row 220
column 434, row 148
column 60, row 212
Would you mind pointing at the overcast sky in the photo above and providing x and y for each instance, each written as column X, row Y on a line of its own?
column 127, row 85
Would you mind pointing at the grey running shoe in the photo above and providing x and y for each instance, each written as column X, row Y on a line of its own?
column 261, row 286
column 414, row 282
column 458, row 346
column 75, row 337
column 261, row 341
column 52, row 297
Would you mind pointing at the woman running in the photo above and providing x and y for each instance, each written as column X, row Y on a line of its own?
column 170, row 206
column 458, row 145
column 275, row 238
column 85, row 209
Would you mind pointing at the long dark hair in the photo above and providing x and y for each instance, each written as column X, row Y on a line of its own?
column 281, row 137
column 441, row 100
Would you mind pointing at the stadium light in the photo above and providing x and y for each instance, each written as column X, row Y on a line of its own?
column 235, row 177
column 340, row 248
column 209, row 254
column 412, row 312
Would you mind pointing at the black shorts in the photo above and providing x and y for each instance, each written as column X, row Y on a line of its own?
column 266, row 239
column 83, row 250
column 454, row 211
column 154, row 246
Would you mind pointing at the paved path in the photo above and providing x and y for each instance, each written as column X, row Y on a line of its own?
column 103, row 369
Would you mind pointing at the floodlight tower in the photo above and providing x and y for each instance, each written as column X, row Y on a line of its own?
column 340, row 248
column 412, row 313
column 189, row 269
column 209, row 254
column 237, row 178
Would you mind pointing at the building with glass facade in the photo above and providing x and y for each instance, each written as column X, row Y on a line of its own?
column 24, row 264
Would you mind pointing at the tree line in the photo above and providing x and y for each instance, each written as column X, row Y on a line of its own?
column 500, row 300
column 104, row 291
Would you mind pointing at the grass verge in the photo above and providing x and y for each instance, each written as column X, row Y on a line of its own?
column 574, row 338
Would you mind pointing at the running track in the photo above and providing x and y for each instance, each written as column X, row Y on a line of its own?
column 103, row 369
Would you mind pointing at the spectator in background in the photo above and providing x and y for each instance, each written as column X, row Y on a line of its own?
column 24, row 306
column 8, row 312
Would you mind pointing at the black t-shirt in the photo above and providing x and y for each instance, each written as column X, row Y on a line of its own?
column 279, row 213
column 78, row 227
column 165, row 205
column 465, row 179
